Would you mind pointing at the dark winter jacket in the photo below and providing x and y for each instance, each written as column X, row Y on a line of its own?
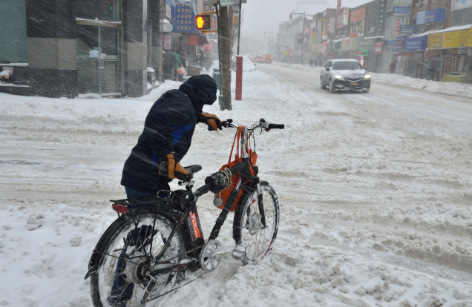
column 168, row 128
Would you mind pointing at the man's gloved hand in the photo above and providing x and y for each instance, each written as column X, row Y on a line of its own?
column 168, row 167
column 213, row 122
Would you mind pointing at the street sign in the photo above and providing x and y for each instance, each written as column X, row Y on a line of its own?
column 363, row 53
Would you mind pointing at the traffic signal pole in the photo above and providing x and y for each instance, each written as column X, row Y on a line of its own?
column 225, row 56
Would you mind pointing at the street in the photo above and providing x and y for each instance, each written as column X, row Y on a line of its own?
column 374, row 189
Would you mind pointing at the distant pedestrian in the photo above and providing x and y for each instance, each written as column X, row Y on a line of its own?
column 434, row 72
column 393, row 65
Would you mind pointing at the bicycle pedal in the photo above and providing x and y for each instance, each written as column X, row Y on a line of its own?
column 239, row 252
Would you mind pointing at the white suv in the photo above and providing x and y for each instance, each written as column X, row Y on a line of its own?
column 343, row 75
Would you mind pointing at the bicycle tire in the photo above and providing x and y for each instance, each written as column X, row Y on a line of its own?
column 248, row 228
column 129, row 239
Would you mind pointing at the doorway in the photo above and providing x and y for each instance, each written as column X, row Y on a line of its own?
column 98, row 57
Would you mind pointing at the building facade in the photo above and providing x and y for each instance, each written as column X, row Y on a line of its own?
column 429, row 39
column 65, row 48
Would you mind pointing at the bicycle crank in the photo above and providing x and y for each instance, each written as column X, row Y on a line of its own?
column 209, row 256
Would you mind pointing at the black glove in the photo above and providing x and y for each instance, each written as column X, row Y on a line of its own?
column 213, row 122
column 168, row 168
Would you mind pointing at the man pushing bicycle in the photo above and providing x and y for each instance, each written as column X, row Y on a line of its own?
column 167, row 136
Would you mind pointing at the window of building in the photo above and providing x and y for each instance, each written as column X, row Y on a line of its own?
column 13, row 32
column 99, row 9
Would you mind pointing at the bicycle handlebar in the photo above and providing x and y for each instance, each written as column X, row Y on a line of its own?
column 261, row 124
column 276, row 126
column 219, row 180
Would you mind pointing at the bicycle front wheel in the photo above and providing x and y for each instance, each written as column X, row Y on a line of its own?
column 256, row 222
column 127, row 254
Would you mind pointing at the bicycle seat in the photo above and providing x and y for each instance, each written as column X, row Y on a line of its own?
column 193, row 168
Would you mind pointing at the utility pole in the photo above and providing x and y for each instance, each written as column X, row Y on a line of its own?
column 239, row 24
column 225, row 56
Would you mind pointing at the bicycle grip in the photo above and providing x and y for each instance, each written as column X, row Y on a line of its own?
column 202, row 190
column 276, row 126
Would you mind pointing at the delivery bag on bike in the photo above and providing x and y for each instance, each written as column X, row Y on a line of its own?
column 236, row 178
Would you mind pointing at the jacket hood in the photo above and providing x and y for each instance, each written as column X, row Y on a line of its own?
column 201, row 90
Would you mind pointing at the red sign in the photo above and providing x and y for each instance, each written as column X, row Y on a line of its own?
column 358, row 15
column 167, row 41
column 378, row 48
column 398, row 23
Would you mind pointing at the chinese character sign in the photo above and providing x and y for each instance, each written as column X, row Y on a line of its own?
column 183, row 18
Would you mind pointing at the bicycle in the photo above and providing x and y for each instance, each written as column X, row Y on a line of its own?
column 146, row 252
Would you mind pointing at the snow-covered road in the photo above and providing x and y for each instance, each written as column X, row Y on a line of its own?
column 375, row 192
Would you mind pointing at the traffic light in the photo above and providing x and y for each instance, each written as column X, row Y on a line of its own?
column 203, row 22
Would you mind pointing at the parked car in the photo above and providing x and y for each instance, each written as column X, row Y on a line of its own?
column 344, row 75
column 263, row 59
column 267, row 59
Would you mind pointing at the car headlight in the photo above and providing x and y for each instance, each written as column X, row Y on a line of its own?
column 338, row 77
column 366, row 76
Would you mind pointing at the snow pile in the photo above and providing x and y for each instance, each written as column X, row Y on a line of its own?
column 375, row 192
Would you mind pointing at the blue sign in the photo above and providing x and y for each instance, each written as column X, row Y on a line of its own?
column 407, row 29
column 183, row 18
column 436, row 15
column 418, row 43
column 421, row 18
column 401, row 10
column 399, row 43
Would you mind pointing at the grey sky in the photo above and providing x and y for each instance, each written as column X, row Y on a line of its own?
column 261, row 16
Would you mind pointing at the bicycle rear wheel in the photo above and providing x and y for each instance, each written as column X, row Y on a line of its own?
column 256, row 222
column 126, row 251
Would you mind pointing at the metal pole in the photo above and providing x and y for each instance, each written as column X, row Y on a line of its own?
column 303, row 37
column 239, row 25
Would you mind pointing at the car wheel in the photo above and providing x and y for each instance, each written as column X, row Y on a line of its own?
column 366, row 90
column 321, row 84
column 331, row 86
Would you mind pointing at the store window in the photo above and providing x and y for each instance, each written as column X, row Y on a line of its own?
column 13, row 47
column 99, row 9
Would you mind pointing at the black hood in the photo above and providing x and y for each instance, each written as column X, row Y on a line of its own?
column 201, row 90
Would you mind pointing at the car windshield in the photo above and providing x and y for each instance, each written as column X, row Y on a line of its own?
column 346, row 65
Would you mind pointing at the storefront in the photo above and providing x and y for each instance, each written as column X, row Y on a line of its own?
column 94, row 48
column 452, row 49
column 370, row 49
column 416, row 65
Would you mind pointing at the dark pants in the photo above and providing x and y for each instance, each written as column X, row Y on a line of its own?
column 131, row 193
